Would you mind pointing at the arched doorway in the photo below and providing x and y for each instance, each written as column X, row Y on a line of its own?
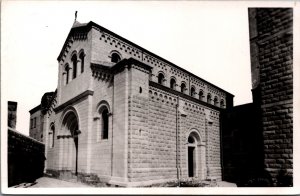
column 195, row 155
column 70, row 129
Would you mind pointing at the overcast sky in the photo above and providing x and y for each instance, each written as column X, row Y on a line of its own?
column 209, row 39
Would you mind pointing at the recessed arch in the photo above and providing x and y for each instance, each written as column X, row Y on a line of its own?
column 201, row 94
column 195, row 154
column 102, row 115
column 82, row 59
column 193, row 91
column 183, row 87
column 208, row 98
column 74, row 64
column 173, row 83
column 161, row 78
column 70, row 132
column 216, row 100
column 115, row 56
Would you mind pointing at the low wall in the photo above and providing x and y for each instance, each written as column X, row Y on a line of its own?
column 26, row 158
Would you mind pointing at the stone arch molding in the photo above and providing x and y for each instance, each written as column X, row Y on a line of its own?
column 68, row 111
column 100, row 107
column 197, row 135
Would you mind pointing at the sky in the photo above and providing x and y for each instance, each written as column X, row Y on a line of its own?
column 209, row 39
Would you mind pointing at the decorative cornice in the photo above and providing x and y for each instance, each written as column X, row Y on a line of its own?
column 73, row 100
column 177, row 93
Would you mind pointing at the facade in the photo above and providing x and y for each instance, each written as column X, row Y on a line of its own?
column 271, row 46
column 128, row 117
column 36, row 123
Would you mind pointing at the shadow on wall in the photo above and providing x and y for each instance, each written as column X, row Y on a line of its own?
column 25, row 158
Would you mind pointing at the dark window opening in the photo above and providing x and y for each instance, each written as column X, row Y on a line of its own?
column 201, row 95
column 192, row 91
column 81, row 56
column 115, row 58
column 182, row 87
column 208, row 98
column 215, row 101
column 105, row 124
column 172, row 84
column 67, row 68
column 222, row 103
column 161, row 78
column 74, row 61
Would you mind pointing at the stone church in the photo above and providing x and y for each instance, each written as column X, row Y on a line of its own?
column 126, row 116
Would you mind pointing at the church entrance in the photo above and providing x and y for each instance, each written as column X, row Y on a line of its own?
column 70, row 143
column 194, row 152
column 191, row 159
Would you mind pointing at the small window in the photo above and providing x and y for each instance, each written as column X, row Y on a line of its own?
column 67, row 68
column 104, row 124
column 31, row 124
column 201, row 95
column 222, row 105
column 182, row 88
column 161, row 78
column 216, row 101
column 192, row 91
column 172, row 83
column 51, row 136
column 115, row 58
column 34, row 122
column 81, row 57
column 74, row 62
column 208, row 98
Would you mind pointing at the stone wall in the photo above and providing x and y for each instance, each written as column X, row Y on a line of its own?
column 271, row 37
column 25, row 158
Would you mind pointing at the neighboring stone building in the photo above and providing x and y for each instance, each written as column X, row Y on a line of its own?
column 36, row 123
column 128, row 117
column 271, row 41
column 37, row 117
column 12, row 114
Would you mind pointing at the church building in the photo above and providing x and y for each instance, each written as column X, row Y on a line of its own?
column 126, row 116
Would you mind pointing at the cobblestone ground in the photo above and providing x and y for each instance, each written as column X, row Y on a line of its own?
column 46, row 182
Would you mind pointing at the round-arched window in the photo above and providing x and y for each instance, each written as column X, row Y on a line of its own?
column 115, row 58
column 161, row 78
column 172, row 83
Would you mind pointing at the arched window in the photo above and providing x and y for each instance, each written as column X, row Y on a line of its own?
column 115, row 58
column 222, row 105
column 201, row 95
column 182, row 87
column 51, row 136
column 192, row 91
column 208, row 98
column 67, row 68
column 74, row 62
column 161, row 78
column 81, row 57
column 216, row 100
column 172, row 83
column 104, row 123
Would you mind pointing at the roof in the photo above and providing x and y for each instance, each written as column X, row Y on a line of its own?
column 35, row 109
column 87, row 26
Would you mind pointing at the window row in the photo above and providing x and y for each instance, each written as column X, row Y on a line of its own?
column 193, row 93
column 73, row 68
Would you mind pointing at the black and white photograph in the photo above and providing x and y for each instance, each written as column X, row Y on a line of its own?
column 157, row 97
